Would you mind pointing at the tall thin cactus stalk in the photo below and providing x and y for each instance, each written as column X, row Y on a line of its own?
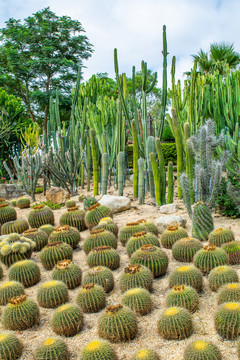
column 135, row 159
column 120, row 162
column 104, row 173
column 94, row 161
column 162, row 170
column 170, row 183
column 141, row 181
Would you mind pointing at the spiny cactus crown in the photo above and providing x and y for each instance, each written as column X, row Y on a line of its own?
column 74, row 208
column 140, row 233
column 94, row 206
column 209, row 247
column 148, row 247
column 132, row 269
column 114, row 308
column 62, row 228
column 96, row 232
column 64, row 264
column 101, row 248
column 18, row 300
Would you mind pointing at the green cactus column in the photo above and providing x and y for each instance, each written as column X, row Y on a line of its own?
column 135, row 159
column 95, row 162
column 150, row 147
column 104, row 173
column 120, row 162
column 170, row 183
column 141, row 187
column 82, row 168
column 179, row 145
column 156, row 176
column 88, row 163
column 189, row 160
column 162, row 171
column 104, row 143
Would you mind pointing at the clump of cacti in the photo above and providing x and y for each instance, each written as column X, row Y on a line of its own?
column 67, row 320
column 67, row 272
column 107, row 224
column 26, row 272
column 99, row 237
column 16, row 226
column 73, row 217
column 117, row 323
column 186, row 275
column 21, row 313
column 40, row 215
column 15, row 248
column 152, row 257
column 9, row 290
column 52, row 294
column 91, row 298
column 172, row 234
column 52, row 349
column 131, row 228
column 222, row 275
column 38, row 236
column 229, row 293
column 66, row 234
column 139, row 239
column 138, row 299
column 95, row 213
column 175, row 323
column 183, row 296
column 98, row 350
column 202, row 221
column 202, row 350
column 23, row 202
column 89, row 201
column 47, row 228
column 220, row 236
column 184, row 249
column 55, row 252
column 227, row 320
column 10, row 347
column 105, row 256
column 149, row 225
column 7, row 213
column 233, row 252
column 136, row 276
column 70, row 203
column 209, row 257
column 145, row 354
column 99, row 275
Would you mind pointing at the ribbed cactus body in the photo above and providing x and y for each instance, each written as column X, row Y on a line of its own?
column 149, row 225
column 23, row 203
column 227, row 320
column 220, row 236
column 67, row 272
column 91, row 298
column 74, row 217
column 52, row 294
column 222, row 275
column 170, row 183
column 117, row 323
column 99, row 237
column 141, row 181
column 202, row 350
column 15, row 248
column 26, row 272
column 229, row 293
column 232, row 250
column 104, row 256
column 55, row 252
column 186, row 275
column 153, row 258
column 120, row 169
column 47, row 228
column 13, row 202
column 70, row 203
column 16, row 226
column 10, row 347
column 202, row 221
column 99, row 275
column 171, row 235
column 89, row 201
column 98, row 350
column 184, row 249
column 183, row 296
column 175, row 323
column 138, row 299
column 65, row 234
column 131, row 228
column 52, row 349
column 95, row 213
column 38, row 236
column 139, row 239
column 145, row 354
column 136, row 276
column 107, row 224
column 9, row 290
column 7, row 213
column 21, row 313
column 209, row 257
column 40, row 215
column 67, row 320
column 104, row 173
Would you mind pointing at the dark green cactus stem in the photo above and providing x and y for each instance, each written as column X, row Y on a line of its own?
column 135, row 159
column 162, row 171
column 150, row 148
column 88, row 163
column 189, row 161
column 104, row 173
column 202, row 221
column 156, row 177
column 120, row 166
column 179, row 145
column 170, row 183
column 104, row 143
column 141, row 185
column 95, row 161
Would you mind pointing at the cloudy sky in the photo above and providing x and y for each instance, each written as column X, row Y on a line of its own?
column 134, row 27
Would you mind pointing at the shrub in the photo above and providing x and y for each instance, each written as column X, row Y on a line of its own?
column 167, row 135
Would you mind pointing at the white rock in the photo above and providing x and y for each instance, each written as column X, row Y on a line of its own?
column 169, row 209
column 116, row 203
column 164, row 221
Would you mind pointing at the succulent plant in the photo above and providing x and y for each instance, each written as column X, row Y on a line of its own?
column 227, row 320
column 229, row 293
column 220, row 236
column 171, row 235
column 73, row 217
column 209, row 257
column 23, row 202
column 136, row 276
column 91, row 298
column 183, row 296
column 89, row 201
column 67, row 272
column 98, row 238
column 52, row 294
column 98, row 350
column 13, row 202
column 26, row 272
column 95, row 213
column 202, row 350
column 138, row 299
column 104, row 256
column 99, row 275
column 9, row 290
column 52, row 349
column 15, row 248
column 7, row 213
column 139, row 239
column 47, row 228
column 67, row 320
column 55, row 252
column 222, row 275
column 117, row 323
column 152, row 257
column 70, row 203
column 233, row 252
column 149, row 225
column 131, row 228
column 107, row 224
column 10, row 347
column 186, row 275
column 184, row 249
column 16, row 226
column 145, row 354
column 81, row 199
column 202, row 221
column 40, row 215
column 38, row 236
column 175, row 323
column 21, row 313
column 66, row 234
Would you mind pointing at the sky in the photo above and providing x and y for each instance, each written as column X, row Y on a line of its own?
column 134, row 27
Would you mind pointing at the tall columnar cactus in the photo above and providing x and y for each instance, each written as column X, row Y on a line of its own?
column 88, row 162
column 179, row 145
column 150, row 148
column 170, row 183
column 94, row 161
column 189, row 160
column 162, row 171
column 120, row 162
column 141, row 181
column 104, row 173
column 135, row 159
column 156, row 177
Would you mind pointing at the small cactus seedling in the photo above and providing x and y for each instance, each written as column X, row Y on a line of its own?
column 202, row 350
column 52, row 294
column 184, row 249
column 91, row 298
column 98, row 350
column 55, row 252
column 222, row 275
column 186, row 275
column 73, row 217
column 104, row 256
column 23, row 203
column 98, row 238
column 220, row 236
column 67, row 320
column 183, row 296
column 26, row 272
column 38, row 236
column 139, row 239
column 209, row 257
column 171, row 235
column 99, row 275
column 52, row 349
column 233, row 252
column 67, row 272
column 130, row 229
column 9, row 290
column 40, row 215
column 227, row 320
column 145, row 354
column 95, row 213
column 65, row 234
column 139, row 300
column 229, row 293
column 10, row 347
column 136, row 276
column 16, row 226
column 151, row 226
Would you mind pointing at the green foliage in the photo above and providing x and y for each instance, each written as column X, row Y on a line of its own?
column 91, row 298
column 225, row 202
column 99, row 275
column 7, row 213
column 16, row 226
column 209, row 257
column 129, row 229
column 14, row 248
column 222, row 275
column 138, row 299
column 52, row 294
column 186, row 275
column 66, row 234
column 167, row 135
column 233, row 251
column 55, row 252
column 107, row 224
column 52, row 349
column 73, row 217
column 202, row 350
column 183, row 296
column 98, row 350
column 171, row 235
column 67, row 272
column 227, row 320
column 139, row 239
column 40, row 215
column 10, row 347
column 26, row 272
column 48, row 203
column 220, row 236
column 67, row 320
column 9, row 290
column 104, row 256
column 228, row 293
column 38, row 236
column 184, row 249
column 39, row 190
column 95, row 213
column 98, row 238
column 136, row 276
column 202, row 221
column 23, row 202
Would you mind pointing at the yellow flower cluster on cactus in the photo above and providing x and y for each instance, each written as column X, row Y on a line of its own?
column 20, row 244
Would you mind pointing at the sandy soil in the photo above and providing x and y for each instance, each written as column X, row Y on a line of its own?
column 147, row 334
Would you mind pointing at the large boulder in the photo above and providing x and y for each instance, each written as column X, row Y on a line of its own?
column 116, row 203
column 57, row 195
column 169, row 209
column 164, row 221
column 9, row 191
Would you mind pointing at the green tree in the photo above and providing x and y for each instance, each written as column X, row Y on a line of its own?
column 39, row 56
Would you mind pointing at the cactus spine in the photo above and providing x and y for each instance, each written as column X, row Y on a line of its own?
column 98, row 350
column 170, row 183
column 189, row 160
column 156, row 177
column 227, row 320
column 222, row 275
column 150, row 148
column 67, row 272
column 26, row 272
column 202, row 350
column 162, row 171
column 99, row 275
column 229, row 293
column 183, row 296
column 138, row 300
column 52, row 294
column 52, row 349
column 136, row 276
column 91, row 298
